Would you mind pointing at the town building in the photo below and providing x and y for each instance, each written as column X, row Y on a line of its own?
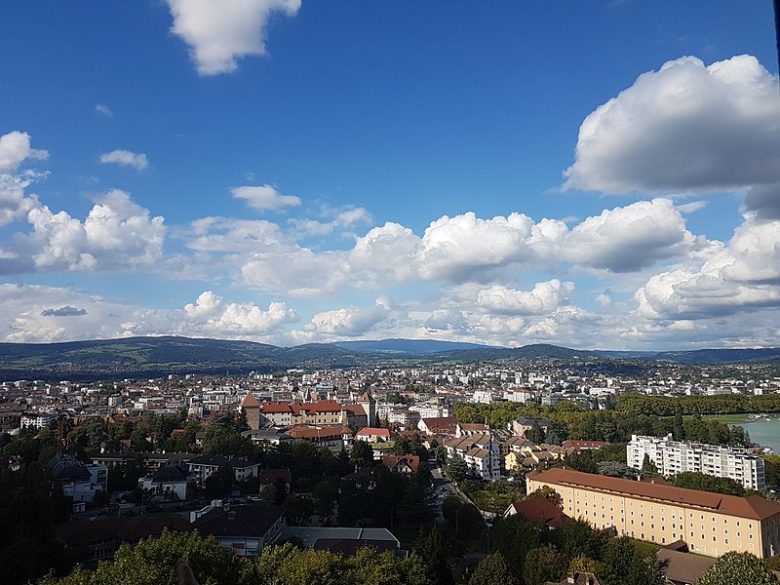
column 710, row 524
column 78, row 481
column 671, row 457
column 243, row 530
column 201, row 468
column 481, row 452
column 169, row 482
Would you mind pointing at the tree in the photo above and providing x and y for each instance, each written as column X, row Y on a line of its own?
column 738, row 569
column 513, row 537
column 431, row 548
column 153, row 562
column 299, row 510
column 708, row 483
column 582, row 564
column 678, row 427
column 457, row 469
column 325, row 496
column 624, row 565
column 535, row 434
column 362, row 454
column 492, row 570
column 648, row 467
column 269, row 494
column 544, row 564
column 549, row 494
column 578, row 538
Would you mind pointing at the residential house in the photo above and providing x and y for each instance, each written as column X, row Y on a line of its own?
column 539, row 510
column 372, row 435
column 440, row 425
column 79, row 482
column 481, row 452
column 343, row 540
column 520, row 426
column 201, row 468
column 244, row 530
column 334, row 437
column 169, row 481
column 403, row 464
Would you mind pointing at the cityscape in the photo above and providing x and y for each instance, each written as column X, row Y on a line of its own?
column 350, row 293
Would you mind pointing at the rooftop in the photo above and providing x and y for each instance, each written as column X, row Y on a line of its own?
column 754, row 507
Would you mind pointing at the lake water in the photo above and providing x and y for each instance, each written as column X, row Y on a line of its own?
column 765, row 432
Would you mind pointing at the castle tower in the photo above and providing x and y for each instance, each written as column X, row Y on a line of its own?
column 369, row 407
column 251, row 408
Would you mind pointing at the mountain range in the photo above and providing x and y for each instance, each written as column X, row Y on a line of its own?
column 155, row 356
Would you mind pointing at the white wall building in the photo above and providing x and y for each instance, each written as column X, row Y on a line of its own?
column 672, row 457
column 481, row 452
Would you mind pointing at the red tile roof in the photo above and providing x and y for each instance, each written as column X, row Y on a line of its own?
column 373, row 432
column 250, row 401
column 753, row 507
column 305, row 432
column 539, row 509
column 393, row 461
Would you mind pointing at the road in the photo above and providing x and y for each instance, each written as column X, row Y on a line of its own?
column 442, row 489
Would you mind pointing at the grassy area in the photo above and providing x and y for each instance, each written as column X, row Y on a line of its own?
column 644, row 548
column 731, row 419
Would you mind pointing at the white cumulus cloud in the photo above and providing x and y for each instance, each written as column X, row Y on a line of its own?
column 265, row 197
column 126, row 158
column 628, row 238
column 219, row 33
column 15, row 148
column 685, row 127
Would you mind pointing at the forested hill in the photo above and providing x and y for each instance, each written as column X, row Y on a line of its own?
column 155, row 356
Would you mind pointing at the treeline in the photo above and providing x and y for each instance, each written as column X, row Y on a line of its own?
column 31, row 505
column 699, row 405
column 522, row 554
column 154, row 562
column 615, row 426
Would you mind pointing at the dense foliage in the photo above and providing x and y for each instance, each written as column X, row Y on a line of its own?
column 153, row 562
column 615, row 426
column 708, row 483
column 738, row 569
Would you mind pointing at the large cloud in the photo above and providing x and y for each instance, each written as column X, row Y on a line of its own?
column 210, row 315
column 544, row 298
column 352, row 322
column 117, row 233
column 219, row 33
column 686, row 127
column 15, row 148
column 742, row 275
column 629, row 238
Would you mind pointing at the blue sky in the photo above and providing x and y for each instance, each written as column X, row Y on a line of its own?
column 382, row 149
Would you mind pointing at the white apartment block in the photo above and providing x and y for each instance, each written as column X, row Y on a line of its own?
column 481, row 452
column 672, row 457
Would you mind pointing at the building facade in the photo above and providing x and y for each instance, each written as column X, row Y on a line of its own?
column 710, row 524
column 672, row 457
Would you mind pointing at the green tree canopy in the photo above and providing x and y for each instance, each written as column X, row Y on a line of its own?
column 544, row 564
column 738, row 569
column 492, row 570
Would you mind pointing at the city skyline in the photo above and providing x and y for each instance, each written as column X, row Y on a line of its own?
column 289, row 172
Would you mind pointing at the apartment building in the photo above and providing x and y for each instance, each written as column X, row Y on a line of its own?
column 321, row 412
column 481, row 452
column 672, row 457
column 710, row 524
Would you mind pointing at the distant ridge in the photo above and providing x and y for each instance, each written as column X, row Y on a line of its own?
column 134, row 357
column 409, row 346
